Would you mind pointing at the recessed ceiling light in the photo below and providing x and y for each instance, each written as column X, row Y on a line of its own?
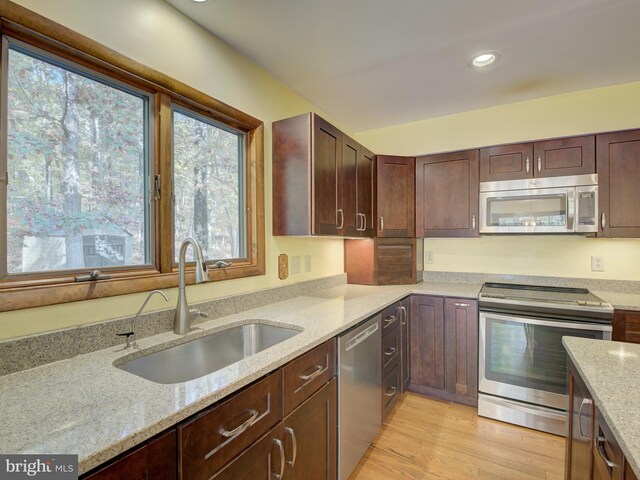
column 199, row 1
column 484, row 59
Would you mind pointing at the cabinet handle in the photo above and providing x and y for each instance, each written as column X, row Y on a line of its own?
column 600, row 447
column 278, row 443
column 294, row 443
column 382, row 224
column 404, row 316
column 390, row 351
column 603, row 220
column 539, row 164
column 527, row 164
column 364, row 222
column 389, row 320
column 341, row 218
column 243, row 426
column 462, row 305
column 473, row 222
column 585, row 401
column 391, row 391
column 359, row 222
column 316, row 372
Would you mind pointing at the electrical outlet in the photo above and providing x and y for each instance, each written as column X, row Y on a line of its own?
column 283, row 266
column 307, row 263
column 295, row 265
column 597, row 264
column 428, row 258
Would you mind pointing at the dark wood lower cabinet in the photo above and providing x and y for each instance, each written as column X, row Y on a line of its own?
column 405, row 343
column 310, row 437
column 444, row 348
column 155, row 460
column 626, row 326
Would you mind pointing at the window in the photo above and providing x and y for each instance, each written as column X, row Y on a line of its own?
column 107, row 164
column 78, row 167
column 208, row 177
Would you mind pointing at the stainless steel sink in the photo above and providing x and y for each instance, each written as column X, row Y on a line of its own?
column 207, row 354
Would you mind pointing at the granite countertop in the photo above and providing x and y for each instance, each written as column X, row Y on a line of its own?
column 611, row 371
column 86, row 406
column 619, row 300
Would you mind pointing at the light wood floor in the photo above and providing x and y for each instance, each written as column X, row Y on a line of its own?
column 432, row 439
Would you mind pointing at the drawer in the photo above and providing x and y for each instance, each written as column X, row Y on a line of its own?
column 306, row 374
column 606, row 450
column 216, row 436
column 391, row 388
column 390, row 317
column 390, row 350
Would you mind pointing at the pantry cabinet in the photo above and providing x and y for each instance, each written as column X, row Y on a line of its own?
column 447, row 191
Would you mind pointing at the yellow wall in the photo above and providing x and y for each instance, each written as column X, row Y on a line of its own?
column 597, row 110
column 155, row 34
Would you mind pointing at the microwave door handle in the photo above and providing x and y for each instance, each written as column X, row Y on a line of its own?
column 571, row 209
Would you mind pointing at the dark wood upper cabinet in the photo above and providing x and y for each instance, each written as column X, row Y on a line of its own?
column 395, row 197
column 447, row 190
column 323, row 181
column 427, row 342
column 565, row 156
column 506, row 162
column 618, row 166
column 461, row 348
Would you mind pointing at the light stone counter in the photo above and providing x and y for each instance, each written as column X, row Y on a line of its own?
column 620, row 300
column 611, row 371
column 86, row 406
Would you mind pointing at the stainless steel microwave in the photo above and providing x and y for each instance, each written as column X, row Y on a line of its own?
column 540, row 205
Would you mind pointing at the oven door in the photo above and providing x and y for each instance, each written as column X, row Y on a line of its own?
column 522, row 358
column 544, row 210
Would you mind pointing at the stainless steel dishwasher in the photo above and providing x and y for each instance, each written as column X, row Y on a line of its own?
column 359, row 393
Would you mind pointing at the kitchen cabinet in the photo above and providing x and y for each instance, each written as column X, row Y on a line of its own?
column 444, row 348
column 405, row 343
column 618, row 165
column 155, row 459
column 392, row 318
column 447, row 190
column 545, row 158
column 323, row 181
column 395, row 196
column 626, row 326
column 608, row 459
column 580, row 419
column 381, row 261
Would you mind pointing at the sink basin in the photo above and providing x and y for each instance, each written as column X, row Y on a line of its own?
column 207, row 354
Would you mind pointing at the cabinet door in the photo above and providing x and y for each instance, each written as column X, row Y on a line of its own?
column 606, row 451
column 579, row 443
column 565, row 156
column 461, row 348
column 506, row 162
column 310, row 437
column 395, row 197
column 366, row 169
column 349, row 182
column 618, row 166
column 156, row 459
column 405, row 361
column 326, row 177
column 262, row 461
column 447, row 190
column 427, row 341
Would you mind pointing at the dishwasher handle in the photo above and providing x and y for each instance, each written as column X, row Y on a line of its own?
column 361, row 337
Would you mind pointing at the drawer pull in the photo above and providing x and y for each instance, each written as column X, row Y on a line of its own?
column 405, row 316
column 294, row 442
column 463, row 305
column 390, row 351
column 391, row 391
column 242, row 427
column 600, row 447
column 278, row 443
column 320, row 369
column 585, row 401
column 389, row 320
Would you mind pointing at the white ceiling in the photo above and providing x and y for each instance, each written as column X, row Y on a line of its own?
column 374, row 63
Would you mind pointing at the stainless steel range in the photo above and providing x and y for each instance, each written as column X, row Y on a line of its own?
column 522, row 363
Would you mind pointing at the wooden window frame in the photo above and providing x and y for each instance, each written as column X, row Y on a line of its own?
column 51, row 288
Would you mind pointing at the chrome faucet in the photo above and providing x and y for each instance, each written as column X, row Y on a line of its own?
column 130, row 335
column 184, row 316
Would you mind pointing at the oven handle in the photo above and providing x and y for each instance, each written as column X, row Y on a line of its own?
column 549, row 323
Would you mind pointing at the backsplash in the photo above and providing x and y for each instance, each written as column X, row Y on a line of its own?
column 27, row 352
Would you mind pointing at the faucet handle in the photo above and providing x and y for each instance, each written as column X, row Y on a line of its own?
column 198, row 313
column 130, row 342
